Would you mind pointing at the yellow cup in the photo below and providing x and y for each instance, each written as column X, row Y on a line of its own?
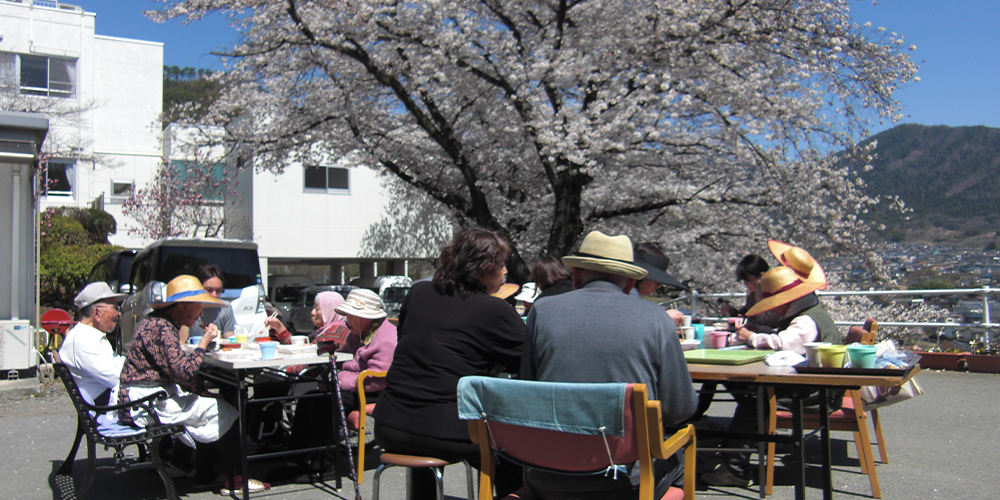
column 241, row 339
column 832, row 355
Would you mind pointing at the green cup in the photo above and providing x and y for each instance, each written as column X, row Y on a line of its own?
column 861, row 355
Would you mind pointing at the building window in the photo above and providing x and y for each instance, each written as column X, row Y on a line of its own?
column 120, row 190
column 39, row 75
column 331, row 179
column 209, row 180
column 58, row 178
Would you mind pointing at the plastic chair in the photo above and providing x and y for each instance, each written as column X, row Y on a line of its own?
column 355, row 421
column 111, row 434
column 537, row 424
column 848, row 418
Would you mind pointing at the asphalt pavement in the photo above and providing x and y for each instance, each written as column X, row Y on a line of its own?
column 941, row 445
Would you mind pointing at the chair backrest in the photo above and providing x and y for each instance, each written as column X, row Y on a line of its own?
column 864, row 335
column 557, row 426
column 84, row 410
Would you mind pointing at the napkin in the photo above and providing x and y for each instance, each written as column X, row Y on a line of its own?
column 783, row 358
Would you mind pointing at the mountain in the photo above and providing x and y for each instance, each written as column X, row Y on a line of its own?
column 948, row 176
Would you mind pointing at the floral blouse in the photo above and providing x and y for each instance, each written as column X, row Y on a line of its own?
column 155, row 359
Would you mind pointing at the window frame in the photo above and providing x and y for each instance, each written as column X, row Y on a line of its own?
column 116, row 198
column 71, row 179
column 328, row 170
column 71, row 86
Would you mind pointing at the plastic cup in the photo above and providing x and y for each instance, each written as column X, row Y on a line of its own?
column 719, row 339
column 832, row 355
column 299, row 339
column 861, row 355
column 194, row 340
column 688, row 332
column 812, row 353
column 699, row 332
column 687, row 320
column 241, row 338
column 267, row 349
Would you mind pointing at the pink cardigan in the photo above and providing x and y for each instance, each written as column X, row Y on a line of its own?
column 377, row 355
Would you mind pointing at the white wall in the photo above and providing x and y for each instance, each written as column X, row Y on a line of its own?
column 121, row 80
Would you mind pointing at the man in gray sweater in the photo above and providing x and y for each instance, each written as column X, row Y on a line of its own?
column 597, row 333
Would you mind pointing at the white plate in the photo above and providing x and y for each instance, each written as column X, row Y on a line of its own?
column 687, row 345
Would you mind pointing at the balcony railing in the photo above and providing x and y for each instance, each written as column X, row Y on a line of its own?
column 985, row 293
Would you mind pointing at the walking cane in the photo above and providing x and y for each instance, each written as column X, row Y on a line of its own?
column 343, row 427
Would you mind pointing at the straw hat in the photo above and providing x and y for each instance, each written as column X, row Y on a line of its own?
column 656, row 269
column 187, row 288
column 799, row 260
column 363, row 303
column 609, row 254
column 506, row 290
column 529, row 292
column 782, row 285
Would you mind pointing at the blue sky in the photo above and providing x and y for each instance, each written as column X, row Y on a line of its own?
column 958, row 50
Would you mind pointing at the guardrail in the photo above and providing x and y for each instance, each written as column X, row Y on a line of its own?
column 985, row 292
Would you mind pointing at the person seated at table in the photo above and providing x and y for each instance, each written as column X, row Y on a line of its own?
column 372, row 341
column 156, row 362
column 598, row 333
column 748, row 271
column 788, row 291
column 327, row 322
column 552, row 277
column 449, row 328
column 87, row 352
column 214, row 281
column 650, row 257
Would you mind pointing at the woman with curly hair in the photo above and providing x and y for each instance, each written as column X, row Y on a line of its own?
column 449, row 328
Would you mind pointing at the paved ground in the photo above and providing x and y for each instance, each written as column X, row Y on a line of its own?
column 941, row 445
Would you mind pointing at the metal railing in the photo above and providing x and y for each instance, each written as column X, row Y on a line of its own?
column 985, row 292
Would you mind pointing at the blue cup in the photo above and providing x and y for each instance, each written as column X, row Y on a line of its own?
column 267, row 349
column 194, row 340
column 699, row 334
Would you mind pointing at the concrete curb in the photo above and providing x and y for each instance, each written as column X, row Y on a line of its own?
column 19, row 388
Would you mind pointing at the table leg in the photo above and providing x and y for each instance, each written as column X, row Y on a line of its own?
column 824, row 422
column 761, row 445
column 798, row 453
column 242, row 397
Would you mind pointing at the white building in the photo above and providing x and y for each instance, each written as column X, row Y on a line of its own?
column 50, row 51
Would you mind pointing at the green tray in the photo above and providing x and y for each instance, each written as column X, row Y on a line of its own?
column 719, row 357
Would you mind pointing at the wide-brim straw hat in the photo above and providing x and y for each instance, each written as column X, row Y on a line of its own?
column 799, row 260
column 362, row 303
column 656, row 269
column 506, row 290
column 782, row 285
column 609, row 254
column 186, row 288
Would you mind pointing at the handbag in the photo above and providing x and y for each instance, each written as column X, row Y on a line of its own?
column 876, row 397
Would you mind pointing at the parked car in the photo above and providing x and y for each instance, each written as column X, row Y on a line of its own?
column 282, row 290
column 113, row 269
column 165, row 259
column 391, row 288
column 300, row 321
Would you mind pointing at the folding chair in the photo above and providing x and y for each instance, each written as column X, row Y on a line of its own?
column 571, row 428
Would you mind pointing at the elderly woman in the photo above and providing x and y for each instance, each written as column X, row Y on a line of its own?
column 449, row 328
column 156, row 362
column 329, row 324
column 372, row 341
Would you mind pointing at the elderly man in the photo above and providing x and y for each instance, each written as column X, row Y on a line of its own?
column 597, row 333
column 87, row 351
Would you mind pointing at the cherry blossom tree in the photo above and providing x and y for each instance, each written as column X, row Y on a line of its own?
column 708, row 126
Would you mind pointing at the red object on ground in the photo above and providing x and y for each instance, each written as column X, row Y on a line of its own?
column 57, row 322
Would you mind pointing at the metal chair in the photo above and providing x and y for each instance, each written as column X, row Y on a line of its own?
column 571, row 428
column 109, row 433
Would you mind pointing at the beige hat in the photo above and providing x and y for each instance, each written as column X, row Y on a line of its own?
column 506, row 290
column 799, row 260
column 782, row 285
column 187, row 288
column 363, row 303
column 609, row 254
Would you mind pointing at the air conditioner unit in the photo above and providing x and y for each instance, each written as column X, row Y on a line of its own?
column 17, row 345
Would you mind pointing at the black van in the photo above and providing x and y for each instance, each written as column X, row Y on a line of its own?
column 113, row 269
